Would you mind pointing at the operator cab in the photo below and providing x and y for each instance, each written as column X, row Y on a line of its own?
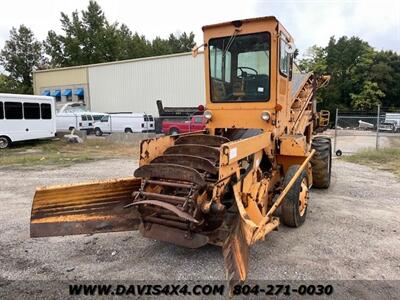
column 248, row 66
column 239, row 67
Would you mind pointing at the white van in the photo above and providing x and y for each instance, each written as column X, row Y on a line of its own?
column 77, row 120
column 97, row 116
column 149, row 123
column 26, row 117
column 124, row 122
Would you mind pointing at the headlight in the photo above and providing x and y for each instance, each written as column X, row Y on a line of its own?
column 265, row 116
column 208, row 114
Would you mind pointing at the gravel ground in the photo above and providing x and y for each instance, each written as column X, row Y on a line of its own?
column 352, row 231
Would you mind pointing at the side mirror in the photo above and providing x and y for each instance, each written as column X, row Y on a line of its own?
column 290, row 48
column 196, row 48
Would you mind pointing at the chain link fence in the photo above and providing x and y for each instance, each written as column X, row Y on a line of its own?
column 358, row 130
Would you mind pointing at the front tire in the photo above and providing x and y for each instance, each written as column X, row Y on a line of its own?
column 128, row 130
column 174, row 131
column 294, row 207
column 321, row 162
column 4, row 142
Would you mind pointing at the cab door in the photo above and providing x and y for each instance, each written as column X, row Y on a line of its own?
column 284, row 77
column 105, row 124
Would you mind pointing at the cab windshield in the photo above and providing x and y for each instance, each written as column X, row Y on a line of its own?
column 239, row 68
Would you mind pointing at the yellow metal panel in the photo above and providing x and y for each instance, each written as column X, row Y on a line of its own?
column 293, row 145
column 84, row 208
column 234, row 151
column 234, row 116
column 61, row 77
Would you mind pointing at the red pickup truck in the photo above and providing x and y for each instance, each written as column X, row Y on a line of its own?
column 196, row 123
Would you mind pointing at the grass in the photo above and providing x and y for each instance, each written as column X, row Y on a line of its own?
column 61, row 153
column 385, row 159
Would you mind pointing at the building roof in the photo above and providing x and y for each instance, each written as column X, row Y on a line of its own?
column 116, row 62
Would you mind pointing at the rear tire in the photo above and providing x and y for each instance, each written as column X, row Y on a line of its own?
column 98, row 132
column 294, row 207
column 128, row 130
column 4, row 142
column 321, row 162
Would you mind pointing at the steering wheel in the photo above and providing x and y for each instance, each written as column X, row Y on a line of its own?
column 244, row 73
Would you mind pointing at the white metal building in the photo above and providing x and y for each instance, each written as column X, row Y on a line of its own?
column 128, row 86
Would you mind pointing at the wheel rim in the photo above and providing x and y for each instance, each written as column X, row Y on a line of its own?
column 303, row 197
column 3, row 143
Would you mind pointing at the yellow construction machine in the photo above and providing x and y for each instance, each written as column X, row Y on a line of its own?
column 229, row 185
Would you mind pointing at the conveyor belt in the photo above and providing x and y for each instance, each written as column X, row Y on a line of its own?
column 298, row 81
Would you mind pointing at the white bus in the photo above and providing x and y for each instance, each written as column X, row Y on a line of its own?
column 26, row 117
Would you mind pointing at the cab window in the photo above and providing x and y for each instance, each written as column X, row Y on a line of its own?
column 283, row 59
column 239, row 68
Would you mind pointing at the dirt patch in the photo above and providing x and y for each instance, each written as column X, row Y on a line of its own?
column 352, row 232
column 61, row 153
column 384, row 159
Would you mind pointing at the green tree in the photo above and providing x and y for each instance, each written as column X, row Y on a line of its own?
column 386, row 73
column 21, row 55
column 368, row 98
column 86, row 39
column 90, row 38
column 9, row 85
column 160, row 46
column 348, row 60
column 314, row 60
column 132, row 45
column 174, row 44
column 181, row 42
column 354, row 65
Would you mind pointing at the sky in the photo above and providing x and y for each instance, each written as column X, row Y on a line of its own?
column 310, row 22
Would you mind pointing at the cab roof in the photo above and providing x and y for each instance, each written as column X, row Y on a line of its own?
column 266, row 18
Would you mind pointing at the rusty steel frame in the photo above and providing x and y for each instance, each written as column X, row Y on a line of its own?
column 202, row 139
column 191, row 161
column 180, row 213
column 170, row 171
column 92, row 207
column 195, row 150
